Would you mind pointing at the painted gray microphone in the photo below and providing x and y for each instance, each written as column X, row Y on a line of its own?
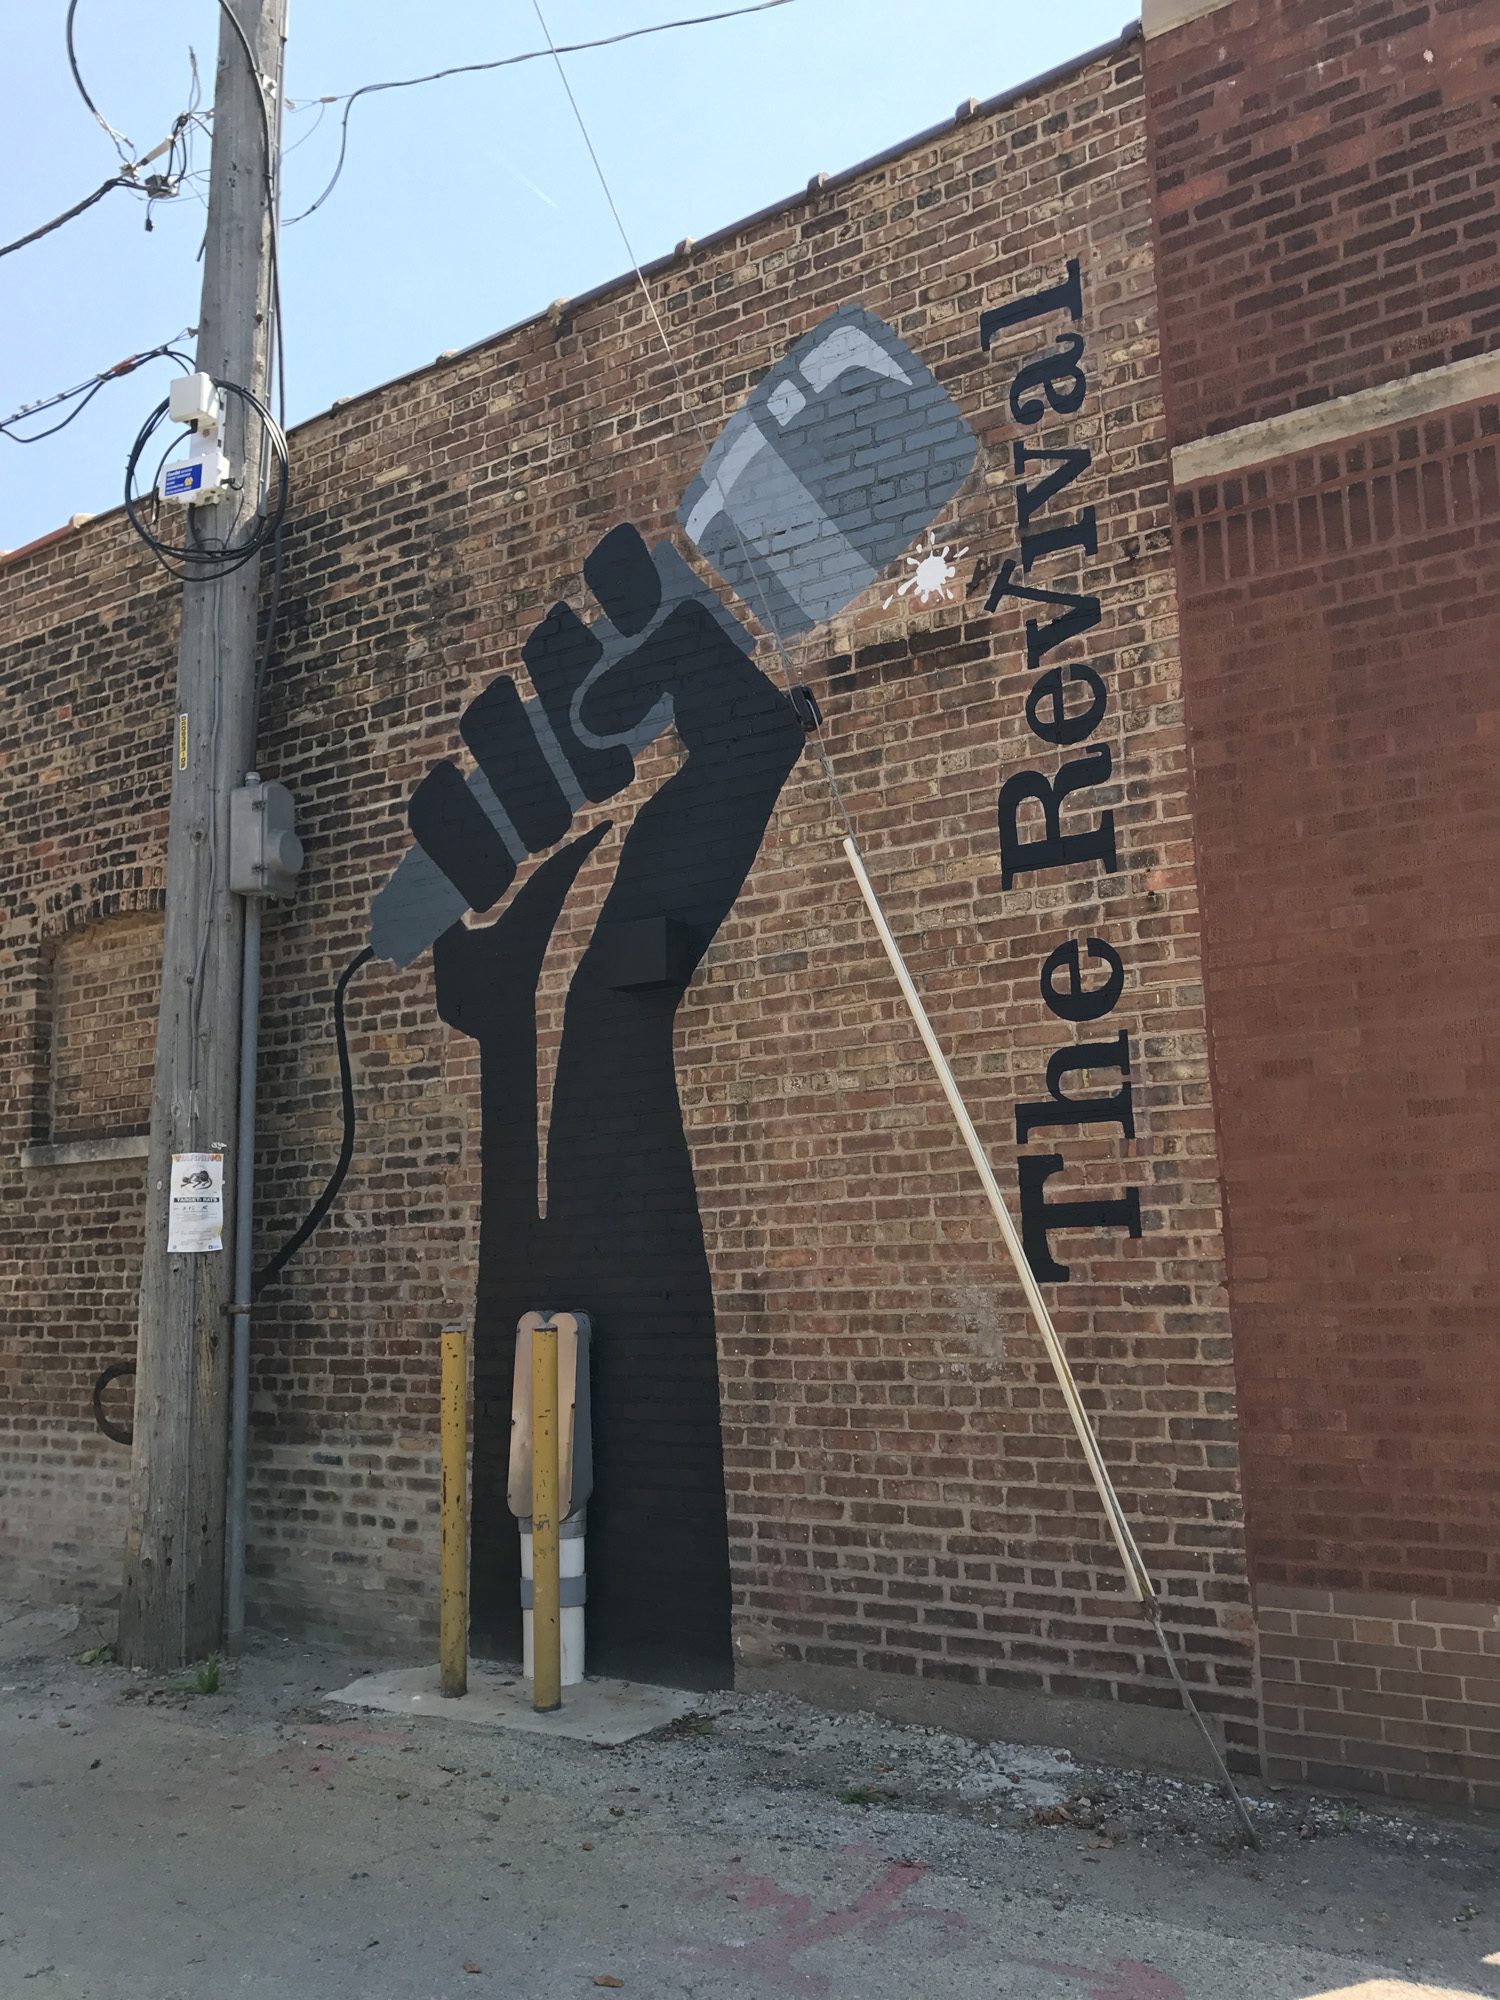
column 834, row 463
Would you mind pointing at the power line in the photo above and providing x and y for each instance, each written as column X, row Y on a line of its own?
column 759, row 608
column 121, row 144
column 273, row 199
column 155, row 187
column 83, row 393
column 114, row 181
column 351, row 98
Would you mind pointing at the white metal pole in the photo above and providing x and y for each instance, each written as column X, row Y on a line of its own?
column 1137, row 1577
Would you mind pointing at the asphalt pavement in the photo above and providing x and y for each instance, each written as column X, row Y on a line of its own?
column 158, row 1843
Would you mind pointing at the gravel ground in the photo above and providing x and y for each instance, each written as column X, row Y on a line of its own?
column 161, row 1844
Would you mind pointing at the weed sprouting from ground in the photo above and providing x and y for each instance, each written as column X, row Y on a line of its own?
column 696, row 1724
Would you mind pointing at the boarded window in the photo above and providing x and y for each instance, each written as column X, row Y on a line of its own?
column 102, row 1040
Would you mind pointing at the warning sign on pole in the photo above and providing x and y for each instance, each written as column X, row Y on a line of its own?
column 195, row 1216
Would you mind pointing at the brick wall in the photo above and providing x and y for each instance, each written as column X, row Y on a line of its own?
column 1328, row 199
column 100, row 985
column 1398, row 1694
column 87, row 643
column 75, row 1231
column 1343, row 751
column 904, row 1491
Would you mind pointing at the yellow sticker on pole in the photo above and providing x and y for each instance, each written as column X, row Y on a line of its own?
column 182, row 742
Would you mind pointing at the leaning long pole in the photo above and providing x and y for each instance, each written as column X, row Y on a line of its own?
column 1137, row 1577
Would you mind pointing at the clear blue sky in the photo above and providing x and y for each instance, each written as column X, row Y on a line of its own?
column 464, row 205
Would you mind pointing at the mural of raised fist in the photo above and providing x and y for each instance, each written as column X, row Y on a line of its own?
column 841, row 455
column 620, row 1238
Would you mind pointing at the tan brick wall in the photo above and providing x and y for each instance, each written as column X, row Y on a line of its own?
column 99, row 1024
column 904, row 1489
column 87, row 641
column 344, row 1536
column 1393, row 1694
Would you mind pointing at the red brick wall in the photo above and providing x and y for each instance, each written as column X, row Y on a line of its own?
column 904, row 1490
column 1342, row 615
column 1326, row 200
column 1327, row 185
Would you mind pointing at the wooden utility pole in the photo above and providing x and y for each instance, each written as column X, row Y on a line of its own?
column 173, row 1602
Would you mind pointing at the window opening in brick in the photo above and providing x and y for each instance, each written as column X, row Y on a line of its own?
column 100, row 994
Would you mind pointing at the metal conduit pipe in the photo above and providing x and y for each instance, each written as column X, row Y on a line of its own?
column 244, row 1211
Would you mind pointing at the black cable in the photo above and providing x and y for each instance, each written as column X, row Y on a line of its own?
column 116, row 1372
column 268, row 648
column 89, row 389
column 507, row 62
column 203, row 562
column 272, row 203
column 114, row 181
column 325, row 1200
column 155, row 187
column 121, row 144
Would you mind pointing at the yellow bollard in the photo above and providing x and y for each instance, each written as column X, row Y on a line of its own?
column 546, row 1619
column 453, row 1573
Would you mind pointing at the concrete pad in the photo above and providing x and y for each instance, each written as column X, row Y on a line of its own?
column 596, row 1711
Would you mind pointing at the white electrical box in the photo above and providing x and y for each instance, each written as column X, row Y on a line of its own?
column 197, row 480
column 193, row 399
column 265, row 855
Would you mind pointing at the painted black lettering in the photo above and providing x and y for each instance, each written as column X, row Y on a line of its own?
column 1055, row 849
column 1059, row 1109
column 1072, row 461
column 1066, row 297
column 1079, row 534
column 1079, row 613
column 1047, row 711
column 1040, row 1216
column 1058, row 376
column 1075, row 1001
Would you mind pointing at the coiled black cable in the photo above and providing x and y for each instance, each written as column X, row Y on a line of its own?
column 117, row 1371
column 201, row 559
column 325, row 1200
